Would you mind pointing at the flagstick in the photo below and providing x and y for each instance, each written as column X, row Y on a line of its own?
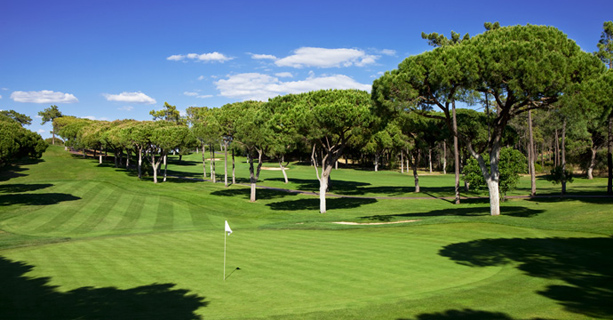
column 224, row 254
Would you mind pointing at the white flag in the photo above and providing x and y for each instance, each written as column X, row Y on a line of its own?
column 228, row 230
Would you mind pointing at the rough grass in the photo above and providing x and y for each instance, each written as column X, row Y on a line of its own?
column 79, row 241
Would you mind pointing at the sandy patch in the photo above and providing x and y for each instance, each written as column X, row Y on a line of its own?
column 273, row 168
column 372, row 223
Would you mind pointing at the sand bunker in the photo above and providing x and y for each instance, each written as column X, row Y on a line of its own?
column 372, row 223
column 273, row 168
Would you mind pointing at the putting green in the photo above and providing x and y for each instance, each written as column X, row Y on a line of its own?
column 279, row 272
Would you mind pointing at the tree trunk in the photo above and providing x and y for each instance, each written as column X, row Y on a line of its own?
column 415, row 175
column 563, row 160
column 610, row 156
column 140, row 162
column 155, row 168
column 531, row 156
column 225, row 166
column 100, row 157
column 254, row 175
column 491, row 177
column 323, row 186
column 376, row 161
column 212, row 163
column 233, row 168
column 590, row 169
column 556, row 148
column 203, row 161
column 401, row 161
column 456, row 151
column 430, row 158
column 165, row 166
column 444, row 157
column 283, row 168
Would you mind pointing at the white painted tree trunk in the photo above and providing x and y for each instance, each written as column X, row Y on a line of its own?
column 203, row 162
column 155, row 168
column 492, row 186
column 590, row 169
column 430, row 158
column 212, row 164
column 140, row 162
column 323, row 186
column 444, row 157
column 253, row 188
column 233, row 168
column 376, row 161
column 225, row 167
column 283, row 170
column 165, row 167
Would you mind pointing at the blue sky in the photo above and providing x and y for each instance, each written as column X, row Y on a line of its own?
column 107, row 59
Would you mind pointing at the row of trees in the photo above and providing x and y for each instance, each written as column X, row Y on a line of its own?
column 510, row 71
column 17, row 142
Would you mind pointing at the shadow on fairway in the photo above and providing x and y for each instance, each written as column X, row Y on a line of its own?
column 260, row 194
column 313, row 204
column 23, row 297
column 11, row 172
column 15, row 188
column 466, row 314
column 591, row 199
column 336, row 186
column 35, row 199
column 584, row 264
column 513, row 211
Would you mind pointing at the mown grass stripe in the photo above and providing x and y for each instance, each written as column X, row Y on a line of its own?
column 199, row 217
column 165, row 215
column 131, row 214
column 97, row 215
column 68, row 212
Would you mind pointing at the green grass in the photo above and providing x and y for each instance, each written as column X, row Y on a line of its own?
column 80, row 240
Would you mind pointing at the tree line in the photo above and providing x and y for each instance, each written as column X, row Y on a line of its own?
column 532, row 88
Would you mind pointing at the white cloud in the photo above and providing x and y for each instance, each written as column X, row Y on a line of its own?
column 44, row 96
column 388, row 52
column 284, row 75
column 201, row 78
column 326, row 58
column 126, row 108
column 41, row 131
column 94, row 118
column 0, row 97
column 257, row 86
column 197, row 94
column 205, row 57
column 131, row 97
column 263, row 57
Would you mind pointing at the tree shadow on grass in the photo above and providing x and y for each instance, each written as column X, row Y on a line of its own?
column 337, row 186
column 36, row 199
column 313, row 204
column 10, row 172
column 513, row 211
column 16, row 188
column 584, row 264
column 465, row 314
column 23, row 297
column 261, row 194
column 591, row 199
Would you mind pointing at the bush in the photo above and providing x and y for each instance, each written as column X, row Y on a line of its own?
column 511, row 164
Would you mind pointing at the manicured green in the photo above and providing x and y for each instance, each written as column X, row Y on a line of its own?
column 80, row 240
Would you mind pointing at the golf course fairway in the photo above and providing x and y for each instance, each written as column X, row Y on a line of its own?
column 84, row 241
